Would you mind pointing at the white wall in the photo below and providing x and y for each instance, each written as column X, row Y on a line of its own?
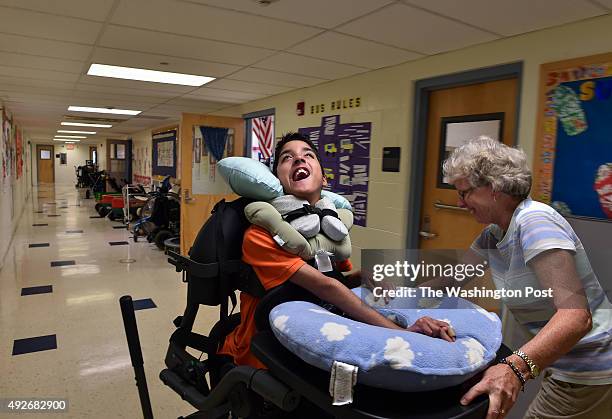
column 65, row 174
column 387, row 101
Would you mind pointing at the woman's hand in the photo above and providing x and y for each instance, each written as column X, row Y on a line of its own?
column 434, row 328
column 502, row 386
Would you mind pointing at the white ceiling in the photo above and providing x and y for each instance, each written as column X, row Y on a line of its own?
column 46, row 47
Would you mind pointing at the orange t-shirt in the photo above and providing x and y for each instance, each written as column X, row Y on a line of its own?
column 273, row 266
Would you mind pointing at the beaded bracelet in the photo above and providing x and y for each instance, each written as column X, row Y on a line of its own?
column 516, row 371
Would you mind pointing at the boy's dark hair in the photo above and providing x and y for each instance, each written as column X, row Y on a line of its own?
column 293, row 136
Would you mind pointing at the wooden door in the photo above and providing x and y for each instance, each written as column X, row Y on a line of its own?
column 196, row 208
column 45, row 163
column 443, row 224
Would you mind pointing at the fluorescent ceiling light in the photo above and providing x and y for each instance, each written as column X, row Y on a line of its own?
column 70, row 142
column 103, row 110
column 66, row 140
column 83, row 124
column 70, row 136
column 76, row 132
column 141, row 74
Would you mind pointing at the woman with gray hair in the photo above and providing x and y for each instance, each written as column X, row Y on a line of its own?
column 529, row 245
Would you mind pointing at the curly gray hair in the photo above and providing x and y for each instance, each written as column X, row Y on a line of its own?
column 484, row 161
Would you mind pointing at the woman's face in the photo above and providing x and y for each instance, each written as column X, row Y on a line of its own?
column 478, row 200
column 299, row 171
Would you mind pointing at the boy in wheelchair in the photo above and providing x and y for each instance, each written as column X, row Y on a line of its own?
column 298, row 168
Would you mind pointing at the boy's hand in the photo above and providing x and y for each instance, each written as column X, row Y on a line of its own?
column 434, row 328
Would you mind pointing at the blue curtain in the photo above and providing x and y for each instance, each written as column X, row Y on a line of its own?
column 215, row 139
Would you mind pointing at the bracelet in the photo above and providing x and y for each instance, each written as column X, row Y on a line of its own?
column 516, row 371
column 534, row 370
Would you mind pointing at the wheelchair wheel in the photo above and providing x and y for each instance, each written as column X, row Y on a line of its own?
column 161, row 237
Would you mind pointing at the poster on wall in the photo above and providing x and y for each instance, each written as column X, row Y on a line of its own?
column 141, row 163
column 6, row 149
column 204, row 179
column 345, row 157
column 19, row 152
column 164, row 154
column 573, row 168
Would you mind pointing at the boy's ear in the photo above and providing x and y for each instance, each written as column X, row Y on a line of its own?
column 324, row 180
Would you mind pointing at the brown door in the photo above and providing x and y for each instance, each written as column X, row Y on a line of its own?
column 196, row 208
column 459, row 112
column 455, row 115
column 45, row 163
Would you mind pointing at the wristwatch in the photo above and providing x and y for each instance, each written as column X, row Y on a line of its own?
column 534, row 370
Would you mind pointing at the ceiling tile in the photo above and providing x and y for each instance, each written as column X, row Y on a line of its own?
column 224, row 95
column 43, row 63
column 322, row 13
column 307, row 66
column 37, row 74
column 413, row 29
column 80, row 95
column 208, row 22
column 125, row 91
column 347, row 49
column 243, row 86
column 513, row 17
column 275, row 77
column 35, row 83
column 21, row 22
column 42, row 47
column 152, row 62
column 94, row 10
column 605, row 3
column 181, row 46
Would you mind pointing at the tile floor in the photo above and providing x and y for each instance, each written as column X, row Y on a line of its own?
column 81, row 352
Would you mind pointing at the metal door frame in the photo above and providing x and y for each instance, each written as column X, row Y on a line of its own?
column 422, row 91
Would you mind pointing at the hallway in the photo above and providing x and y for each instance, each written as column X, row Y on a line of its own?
column 76, row 307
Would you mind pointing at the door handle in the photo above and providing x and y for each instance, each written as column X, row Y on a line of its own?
column 427, row 235
column 187, row 197
column 440, row 205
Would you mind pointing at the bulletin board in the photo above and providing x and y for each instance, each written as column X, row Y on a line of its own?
column 164, row 154
column 573, row 159
column 345, row 158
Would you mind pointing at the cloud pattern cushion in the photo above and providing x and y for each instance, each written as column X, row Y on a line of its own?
column 393, row 359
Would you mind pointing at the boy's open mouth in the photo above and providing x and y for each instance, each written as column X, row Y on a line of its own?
column 301, row 173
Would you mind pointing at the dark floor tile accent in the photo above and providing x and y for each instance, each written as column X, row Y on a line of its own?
column 43, row 289
column 73, row 231
column 124, row 227
column 118, row 243
column 39, row 245
column 62, row 263
column 54, row 215
column 36, row 344
column 39, row 225
column 62, row 207
column 50, row 203
column 38, row 212
column 144, row 304
column 95, row 216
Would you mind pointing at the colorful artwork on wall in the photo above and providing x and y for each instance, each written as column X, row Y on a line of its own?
column 573, row 167
column 345, row 157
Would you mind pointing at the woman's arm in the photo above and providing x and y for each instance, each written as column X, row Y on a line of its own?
column 555, row 269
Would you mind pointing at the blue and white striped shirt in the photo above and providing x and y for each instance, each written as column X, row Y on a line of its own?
column 535, row 228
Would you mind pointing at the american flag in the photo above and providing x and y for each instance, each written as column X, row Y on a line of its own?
column 262, row 128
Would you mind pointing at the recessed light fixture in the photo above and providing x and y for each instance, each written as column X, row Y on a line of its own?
column 70, row 136
column 67, row 131
column 142, row 74
column 66, row 140
column 103, row 110
column 83, row 124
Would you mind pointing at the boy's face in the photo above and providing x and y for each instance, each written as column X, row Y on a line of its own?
column 299, row 171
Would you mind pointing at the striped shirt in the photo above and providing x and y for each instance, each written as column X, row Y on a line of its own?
column 535, row 228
